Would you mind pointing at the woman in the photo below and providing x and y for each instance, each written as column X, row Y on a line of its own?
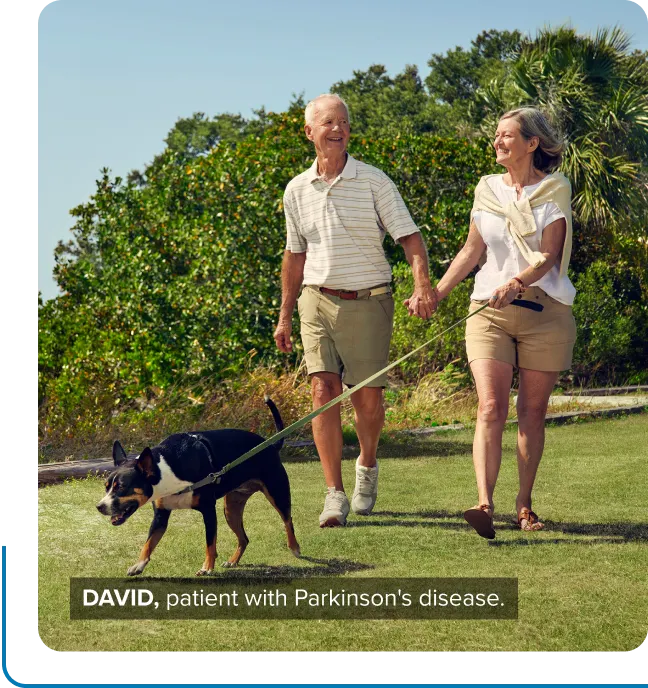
column 521, row 220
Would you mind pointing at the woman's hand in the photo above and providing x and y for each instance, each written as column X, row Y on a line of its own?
column 504, row 295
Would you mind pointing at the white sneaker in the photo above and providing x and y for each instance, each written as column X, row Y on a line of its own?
column 366, row 489
column 336, row 509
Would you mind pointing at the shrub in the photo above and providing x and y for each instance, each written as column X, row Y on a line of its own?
column 179, row 280
column 611, row 312
column 411, row 332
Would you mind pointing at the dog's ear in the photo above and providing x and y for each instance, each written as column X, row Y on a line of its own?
column 145, row 463
column 119, row 455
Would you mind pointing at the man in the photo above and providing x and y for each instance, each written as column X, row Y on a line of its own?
column 337, row 213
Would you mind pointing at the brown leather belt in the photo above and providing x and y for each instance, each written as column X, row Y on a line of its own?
column 353, row 295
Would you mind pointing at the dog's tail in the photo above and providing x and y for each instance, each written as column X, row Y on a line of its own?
column 277, row 419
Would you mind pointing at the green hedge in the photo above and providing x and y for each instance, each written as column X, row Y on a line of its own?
column 180, row 279
column 611, row 312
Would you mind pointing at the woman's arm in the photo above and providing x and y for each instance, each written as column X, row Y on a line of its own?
column 464, row 262
column 553, row 238
column 461, row 266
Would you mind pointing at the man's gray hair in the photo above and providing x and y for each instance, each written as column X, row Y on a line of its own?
column 548, row 155
column 311, row 108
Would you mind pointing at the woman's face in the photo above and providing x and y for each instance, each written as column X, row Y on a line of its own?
column 511, row 148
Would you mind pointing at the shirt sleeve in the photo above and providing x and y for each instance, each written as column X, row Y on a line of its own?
column 392, row 211
column 295, row 242
column 475, row 216
column 553, row 213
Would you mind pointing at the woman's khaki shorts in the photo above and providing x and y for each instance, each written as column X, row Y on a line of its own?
column 350, row 338
column 522, row 337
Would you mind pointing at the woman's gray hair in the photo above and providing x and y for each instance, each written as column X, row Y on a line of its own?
column 548, row 155
column 309, row 112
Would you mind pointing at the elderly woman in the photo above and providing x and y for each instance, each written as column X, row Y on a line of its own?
column 521, row 221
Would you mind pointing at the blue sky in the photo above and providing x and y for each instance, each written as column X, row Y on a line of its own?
column 114, row 76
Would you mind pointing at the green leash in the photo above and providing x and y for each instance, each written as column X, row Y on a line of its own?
column 215, row 477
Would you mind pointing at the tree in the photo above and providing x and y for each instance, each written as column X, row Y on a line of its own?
column 197, row 135
column 456, row 76
column 193, row 136
column 382, row 106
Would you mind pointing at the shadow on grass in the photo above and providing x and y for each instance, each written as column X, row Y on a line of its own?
column 396, row 519
column 413, row 447
column 324, row 567
column 254, row 572
column 592, row 533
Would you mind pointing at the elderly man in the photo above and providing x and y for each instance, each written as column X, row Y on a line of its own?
column 337, row 213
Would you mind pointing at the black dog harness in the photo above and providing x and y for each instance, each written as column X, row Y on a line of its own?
column 207, row 446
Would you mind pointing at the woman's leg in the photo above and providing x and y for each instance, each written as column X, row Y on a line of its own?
column 493, row 381
column 533, row 398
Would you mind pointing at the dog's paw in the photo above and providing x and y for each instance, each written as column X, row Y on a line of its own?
column 296, row 552
column 229, row 564
column 205, row 572
column 137, row 568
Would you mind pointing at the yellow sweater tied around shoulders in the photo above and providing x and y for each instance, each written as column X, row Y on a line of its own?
column 520, row 222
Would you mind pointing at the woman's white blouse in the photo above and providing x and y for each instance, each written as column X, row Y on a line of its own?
column 503, row 258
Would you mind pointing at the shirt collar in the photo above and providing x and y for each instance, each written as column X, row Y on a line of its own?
column 350, row 170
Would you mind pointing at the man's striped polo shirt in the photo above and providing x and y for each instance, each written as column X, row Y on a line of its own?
column 341, row 226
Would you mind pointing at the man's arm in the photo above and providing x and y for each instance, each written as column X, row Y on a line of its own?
column 423, row 301
column 396, row 219
column 292, row 275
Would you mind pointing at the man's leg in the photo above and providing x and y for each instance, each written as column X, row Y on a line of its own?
column 369, row 421
column 369, row 418
column 327, row 427
column 327, row 433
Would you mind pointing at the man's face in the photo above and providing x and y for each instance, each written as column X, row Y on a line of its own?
column 330, row 129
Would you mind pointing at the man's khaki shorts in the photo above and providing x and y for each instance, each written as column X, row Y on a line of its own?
column 522, row 337
column 348, row 337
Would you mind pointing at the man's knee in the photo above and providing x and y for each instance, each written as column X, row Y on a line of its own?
column 325, row 387
column 370, row 404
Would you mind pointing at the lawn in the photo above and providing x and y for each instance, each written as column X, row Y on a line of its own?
column 583, row 582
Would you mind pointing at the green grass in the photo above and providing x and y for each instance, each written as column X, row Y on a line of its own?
column 583, row 582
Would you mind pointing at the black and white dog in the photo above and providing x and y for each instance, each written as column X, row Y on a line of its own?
column 158, row 473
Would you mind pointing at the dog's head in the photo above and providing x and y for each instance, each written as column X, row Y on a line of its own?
column 129, row 486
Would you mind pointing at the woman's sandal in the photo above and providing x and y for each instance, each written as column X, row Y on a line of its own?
column 532, row 520
column 480, row 517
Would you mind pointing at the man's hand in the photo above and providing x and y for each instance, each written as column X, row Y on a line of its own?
column 282, row 336
column 504, row 295
column 423, row 302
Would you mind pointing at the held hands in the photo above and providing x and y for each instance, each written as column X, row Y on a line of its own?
column 282, row 336
column 504, row 295
column 423, row 302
